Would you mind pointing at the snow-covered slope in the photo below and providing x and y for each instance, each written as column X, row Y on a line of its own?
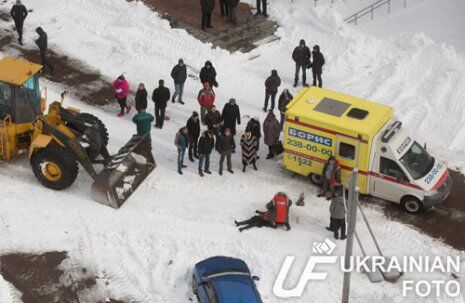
column 184, row 219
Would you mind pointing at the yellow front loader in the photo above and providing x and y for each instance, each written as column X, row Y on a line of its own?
column 61, row 139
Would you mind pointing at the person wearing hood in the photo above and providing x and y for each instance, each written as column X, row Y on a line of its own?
column 337, row 211
column 121, row 89
column 249, row 150
column 160, row 96
column 19, row 13
column 271, row 89
column 283, row 102
column 42, row 43
column 207, row 9
column 180, row 141
column 272, row 130
column 141, row 98
column 301, row 56
column 179, row 75
column 261, row 4
column 317, row 66
column 193, row 133
column 231, row 116
column 254, row 127
column 206, row 99
column 208, row 74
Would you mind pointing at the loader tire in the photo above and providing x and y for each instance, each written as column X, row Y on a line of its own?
column 54, row 167
column 103, row 129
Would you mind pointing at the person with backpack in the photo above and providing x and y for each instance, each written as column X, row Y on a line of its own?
column 226, row 145
column 301, row 56
column 249, row 150
column 121, row 89
column 180, row 141
column 271, row 89
column 231, row 116
column 19, row 13
column 205, row 147
column 272, row 130
column 141, row 98
column 144, row 120
column 193, row 133
column 208, row 74
column 160, row 96
column 206, row 99
column 283, row 102
column 179, row 75
column 317, row 66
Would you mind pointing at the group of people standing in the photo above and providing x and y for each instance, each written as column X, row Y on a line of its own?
column 302, row 58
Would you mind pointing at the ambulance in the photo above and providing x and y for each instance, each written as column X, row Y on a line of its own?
column 392, row 166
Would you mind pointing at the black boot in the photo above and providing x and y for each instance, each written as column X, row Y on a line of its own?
column 243, row 168
column 254, row 166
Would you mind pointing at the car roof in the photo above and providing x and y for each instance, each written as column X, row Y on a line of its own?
column 220, row 264
column 16, row 71
column 235, row 288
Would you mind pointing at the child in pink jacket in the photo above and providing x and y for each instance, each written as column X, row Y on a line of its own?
column 121, row 87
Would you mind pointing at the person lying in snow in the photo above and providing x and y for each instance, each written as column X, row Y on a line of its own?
column 276, row 215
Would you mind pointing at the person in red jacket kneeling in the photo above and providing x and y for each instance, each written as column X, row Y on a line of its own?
column 278, row 210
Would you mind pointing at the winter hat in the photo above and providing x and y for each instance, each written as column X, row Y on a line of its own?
column 18, row 2
column 317, row 48
column 274, row 72
column 232, row 100
column 302, row 42
column 195, row 114
column 180, row 61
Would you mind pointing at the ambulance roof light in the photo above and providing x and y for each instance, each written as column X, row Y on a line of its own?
column 391, row 131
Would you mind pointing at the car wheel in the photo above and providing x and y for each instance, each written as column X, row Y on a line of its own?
column 412, row 205
column 316, row 179
column 194, row 287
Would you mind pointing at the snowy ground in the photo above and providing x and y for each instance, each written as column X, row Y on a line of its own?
column 184, row 219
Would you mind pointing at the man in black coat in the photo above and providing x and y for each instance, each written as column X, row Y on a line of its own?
column 206, row 144
column 208, row 74
column 301, row 56
column 231, row 115
column 213, row 121
column 19, row 13
column 317, row 65
column 42, row 43
column 226, row 145
column 207, row 8
column 160, row 96
column 224, row 8
column 271, row 89
column 259, row 8
column 193, row 133
column 179, row 75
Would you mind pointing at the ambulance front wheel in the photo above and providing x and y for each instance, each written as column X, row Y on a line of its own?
column 412, row 205
column 316, row 179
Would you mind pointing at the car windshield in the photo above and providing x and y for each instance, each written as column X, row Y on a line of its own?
column 417, row 161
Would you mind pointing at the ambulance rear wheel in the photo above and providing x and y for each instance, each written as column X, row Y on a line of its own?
column 316, row 179
column 412, row 205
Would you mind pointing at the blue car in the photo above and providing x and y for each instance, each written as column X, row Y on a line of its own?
column 224, row 280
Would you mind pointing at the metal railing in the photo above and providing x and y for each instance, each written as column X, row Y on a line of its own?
column 370, row 9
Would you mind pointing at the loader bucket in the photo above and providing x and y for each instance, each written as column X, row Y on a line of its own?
column 124, row 173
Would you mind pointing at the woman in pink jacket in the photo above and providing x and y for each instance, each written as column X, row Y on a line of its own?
column 121, row 87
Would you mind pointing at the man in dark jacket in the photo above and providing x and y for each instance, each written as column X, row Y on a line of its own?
column 193, row 133
column 317, row 65
column 224, row 8
column 337, row 212
column 19, row 13
column 179, row 75
column 208, row 74
column 259, row 8
column 206, row 144
column 283, row 101
column 271, row 89
column 160, row 96
column 254, row 127
column 232, row 8
column 231, row 115
column 213, row 121
column 180, row 141
column 226, row 145
column 207, row 9
column 141, row 98
column 42, row 43
column 301, row 56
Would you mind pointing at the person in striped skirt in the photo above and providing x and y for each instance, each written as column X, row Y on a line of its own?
column 249, row 146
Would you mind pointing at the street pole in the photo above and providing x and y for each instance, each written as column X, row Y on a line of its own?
column 352, row 220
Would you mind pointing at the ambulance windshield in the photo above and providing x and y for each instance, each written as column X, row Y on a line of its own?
column 417, row 161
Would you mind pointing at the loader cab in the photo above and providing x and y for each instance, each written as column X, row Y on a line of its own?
column 19, row 90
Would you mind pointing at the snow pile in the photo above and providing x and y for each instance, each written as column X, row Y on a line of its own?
column 146, row 250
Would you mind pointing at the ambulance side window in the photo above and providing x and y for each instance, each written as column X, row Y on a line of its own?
column 390, row 168
column 347, row 151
